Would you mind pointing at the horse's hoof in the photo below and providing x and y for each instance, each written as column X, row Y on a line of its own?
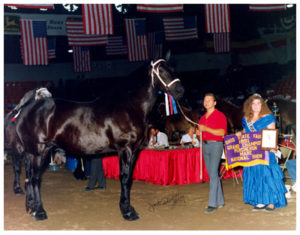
column 131, row 216
column 83, row 178
column 41, row 215
column 79, row 176
column 19, row 191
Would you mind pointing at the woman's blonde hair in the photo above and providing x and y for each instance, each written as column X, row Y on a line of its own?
column 247, row 108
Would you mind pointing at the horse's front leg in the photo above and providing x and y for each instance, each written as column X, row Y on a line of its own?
column 126, row 162
column 32, row 183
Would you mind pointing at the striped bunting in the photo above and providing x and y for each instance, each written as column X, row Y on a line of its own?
column 180, row 28
column 136, row 39
column 43, row 6
column 159, row 8
column 51, row 48
column 34, row 42
column 76, row 36
column 267, row 7
column 221, row 42
column 97, row 19
column 81, row 59
column 155, row 41
column 217, row 18
column 116, row 46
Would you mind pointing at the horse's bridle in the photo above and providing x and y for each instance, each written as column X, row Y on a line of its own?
column 156, row 72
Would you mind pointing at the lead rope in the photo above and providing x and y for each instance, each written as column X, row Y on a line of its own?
column 200, row 145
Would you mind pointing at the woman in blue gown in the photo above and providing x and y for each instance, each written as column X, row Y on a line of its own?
column 263, row 184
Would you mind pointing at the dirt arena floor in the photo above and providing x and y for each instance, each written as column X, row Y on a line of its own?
column 176, row 207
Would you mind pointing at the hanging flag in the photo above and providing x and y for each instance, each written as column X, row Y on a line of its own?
column 217, row 18
column 34, row 42
column 97, row 19
column 155, row 41
column 160, row 8
column 81, row 59
column 267, row 7
column 44, row 6
column 116, row 45
column 136, row 39
column 76, row 36
column 221, row 42
column 180, row 28
column 51, row 48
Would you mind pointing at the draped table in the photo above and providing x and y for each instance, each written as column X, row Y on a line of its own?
column 165, row 167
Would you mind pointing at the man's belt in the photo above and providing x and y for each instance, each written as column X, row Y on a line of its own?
column 211, row 141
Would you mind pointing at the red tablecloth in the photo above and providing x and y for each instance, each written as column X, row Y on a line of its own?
column 165, row 167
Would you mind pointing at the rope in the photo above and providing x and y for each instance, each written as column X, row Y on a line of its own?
column 200, row 144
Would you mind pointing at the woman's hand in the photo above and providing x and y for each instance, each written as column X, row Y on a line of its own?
column 239, row 134
column 274, row 150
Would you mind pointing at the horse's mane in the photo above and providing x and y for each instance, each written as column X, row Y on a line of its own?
column 118, row 89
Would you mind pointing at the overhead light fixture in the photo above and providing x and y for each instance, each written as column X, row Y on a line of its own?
column 70, row 7
column 43, row 9
column 289, row 5
column 121, row 8
column 70, row 51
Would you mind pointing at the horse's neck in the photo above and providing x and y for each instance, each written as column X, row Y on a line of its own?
column 147, row 97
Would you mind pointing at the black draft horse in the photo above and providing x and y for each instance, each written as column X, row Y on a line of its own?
column 92, row 128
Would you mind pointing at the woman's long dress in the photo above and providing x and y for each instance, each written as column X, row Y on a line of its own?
column 263, row 183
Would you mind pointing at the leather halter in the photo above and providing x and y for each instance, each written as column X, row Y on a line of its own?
column 156, row 72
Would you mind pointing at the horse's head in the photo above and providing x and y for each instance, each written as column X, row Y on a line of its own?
column 162, row 77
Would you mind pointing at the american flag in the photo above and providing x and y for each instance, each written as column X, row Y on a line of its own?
column 159, row 8
column 51, row 48
column 180, row 28
column 217, row 18
column 34, row 42
column 155, row 41
column 221, row 42
column 45, row 6
column 81, row 59
column 267, row 7
column 97, row 19
column 116, row 46
column 76, row 36
column 136, row 39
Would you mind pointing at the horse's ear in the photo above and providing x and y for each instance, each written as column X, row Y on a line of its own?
column 168, row 55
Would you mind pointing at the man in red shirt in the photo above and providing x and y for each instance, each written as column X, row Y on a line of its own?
column 213, row 125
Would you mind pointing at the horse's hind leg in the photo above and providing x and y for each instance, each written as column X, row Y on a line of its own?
column 17, row 166
column 32, row 183
column 28, row 184
column 17, row 157
column 126, row 163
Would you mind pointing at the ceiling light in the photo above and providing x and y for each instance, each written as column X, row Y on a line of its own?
column 70, row 51
column 70, row 7
column 121, row 8
column 289, row 5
